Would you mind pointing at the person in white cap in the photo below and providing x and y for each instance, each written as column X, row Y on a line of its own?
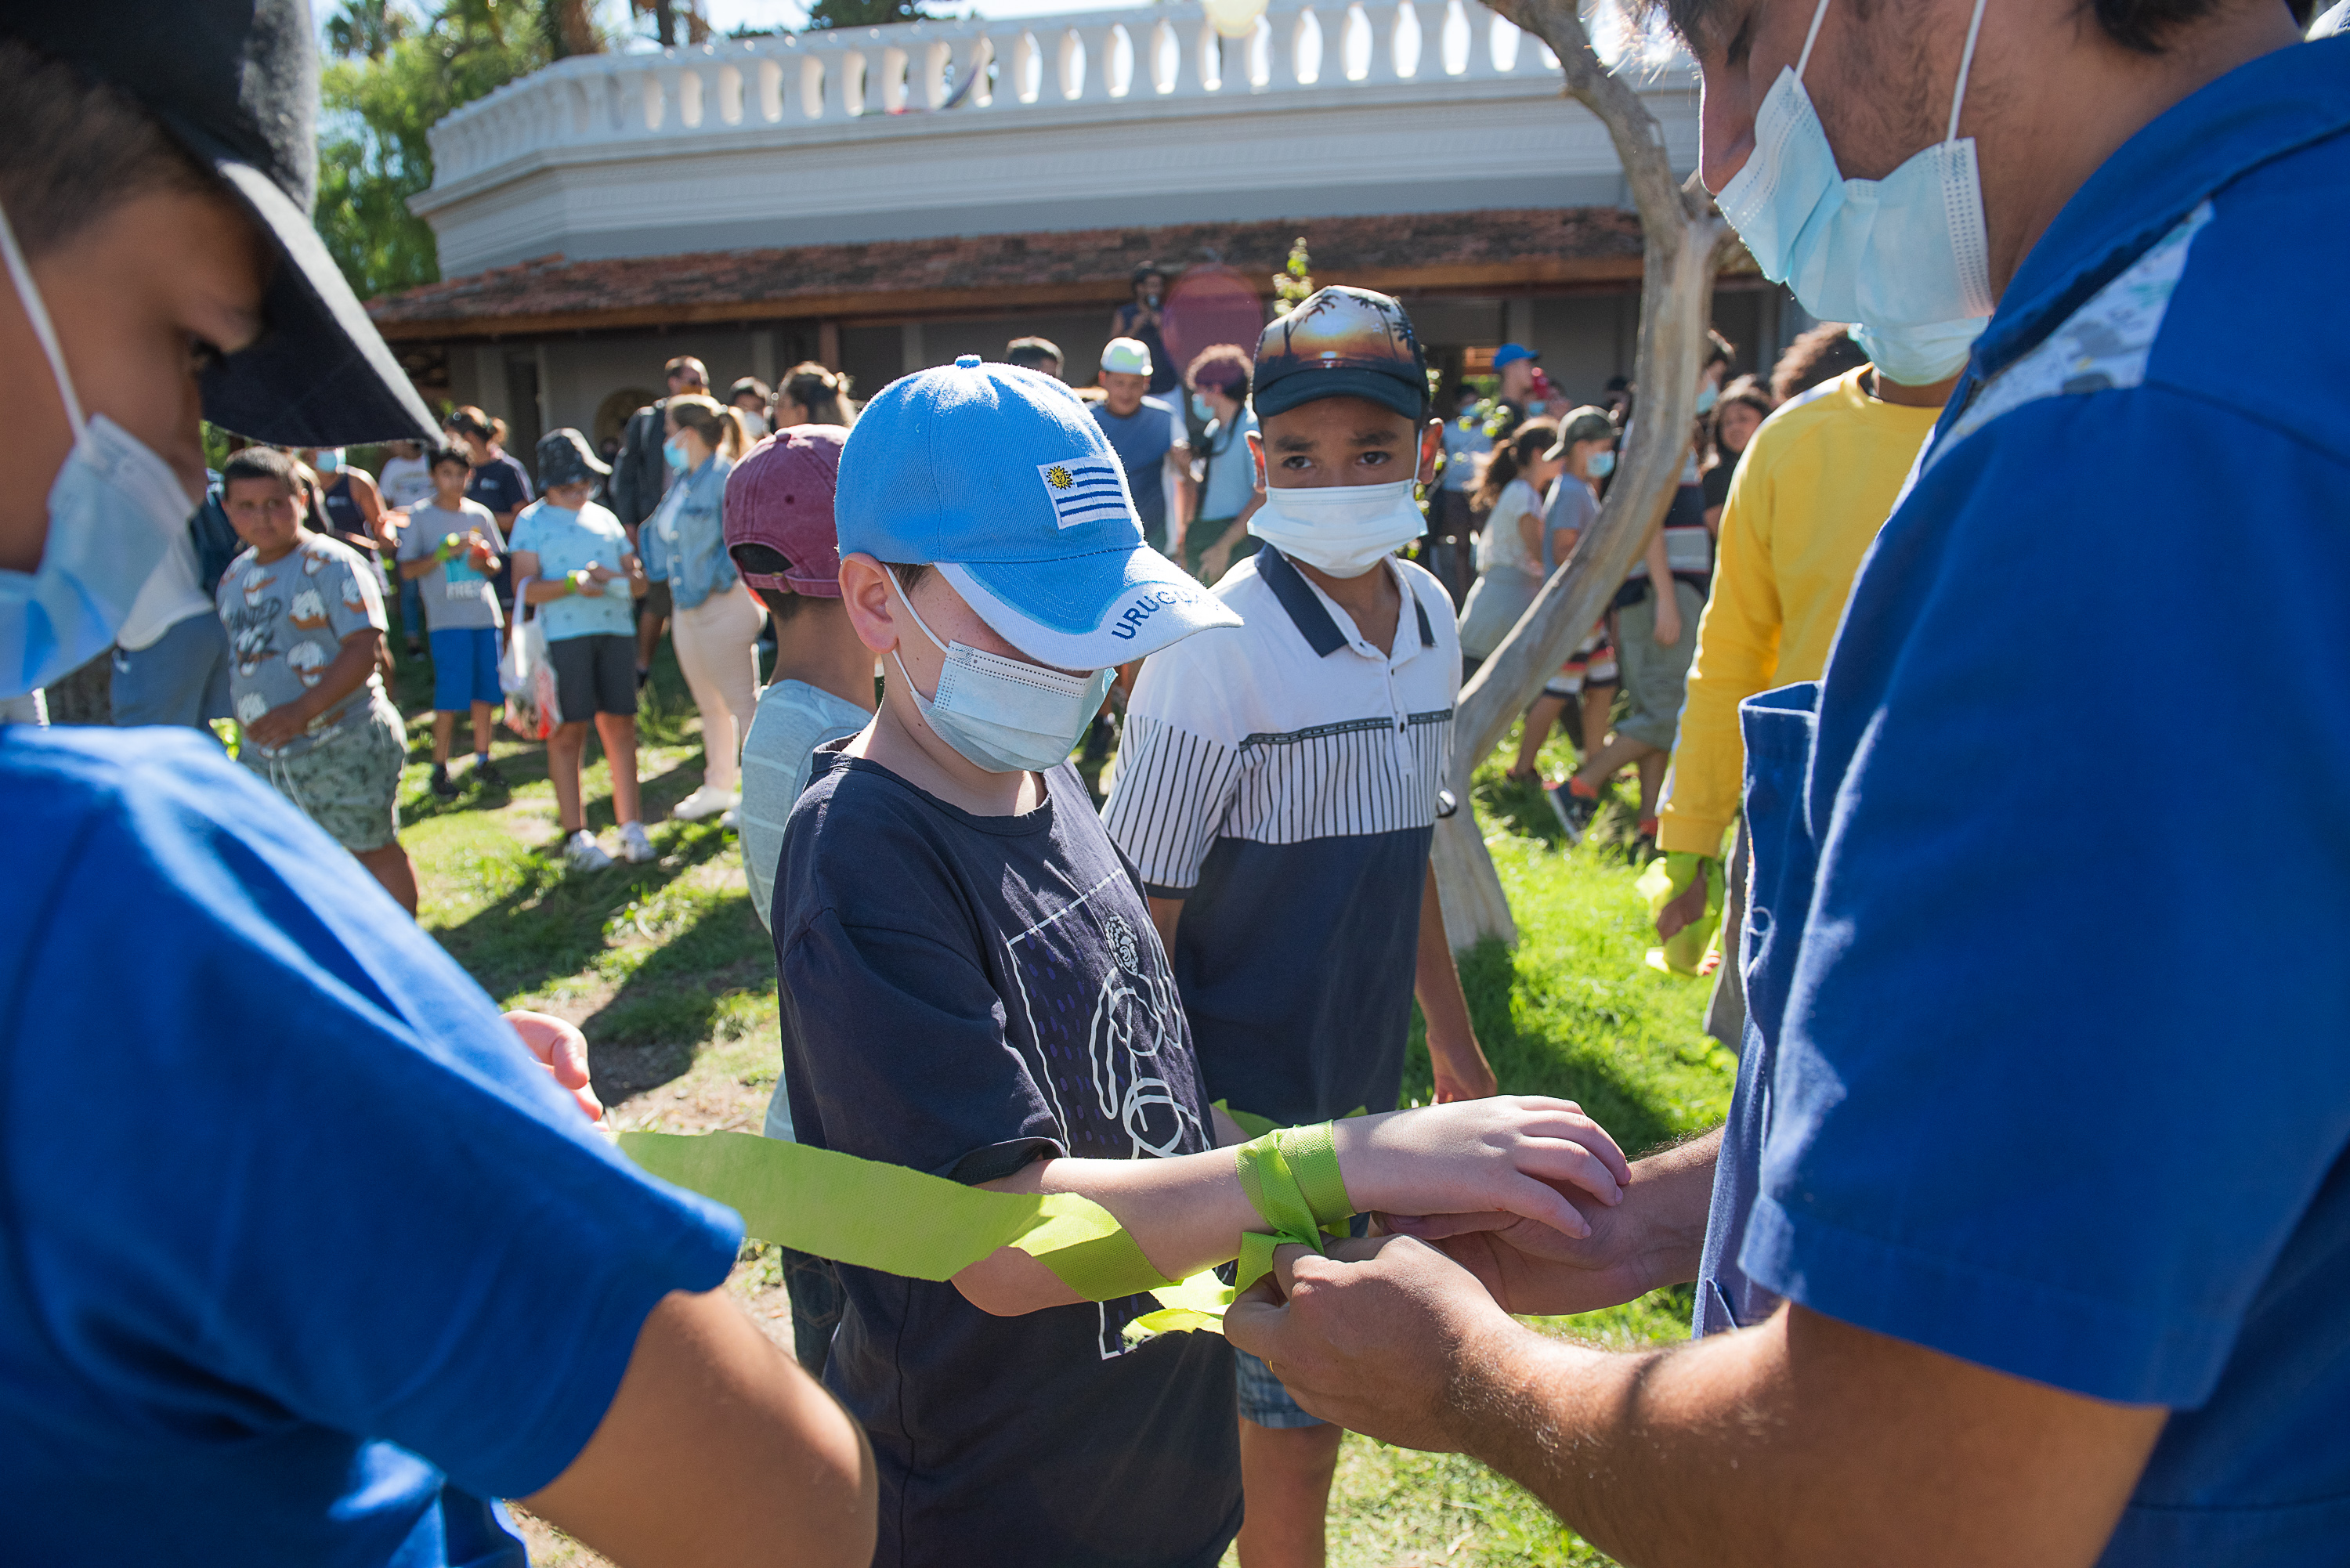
column 974, row 989
column 1151, row 441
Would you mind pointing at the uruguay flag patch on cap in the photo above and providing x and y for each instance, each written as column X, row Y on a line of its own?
column 1084, row 490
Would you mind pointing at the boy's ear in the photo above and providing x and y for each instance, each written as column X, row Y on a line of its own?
column 1431, row 446
column 1256, row 459
column 865, row 594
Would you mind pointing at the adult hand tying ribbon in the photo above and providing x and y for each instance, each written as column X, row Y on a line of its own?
column 1499, row 1156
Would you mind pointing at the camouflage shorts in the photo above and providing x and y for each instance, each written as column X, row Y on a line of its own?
column 348, row 781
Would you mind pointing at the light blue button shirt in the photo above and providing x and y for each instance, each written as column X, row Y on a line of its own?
column 683, row 542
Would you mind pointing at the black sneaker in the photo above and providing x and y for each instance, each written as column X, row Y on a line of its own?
column 1575, row 811
column 440, row 784
column 642, row 676
column 486, row 774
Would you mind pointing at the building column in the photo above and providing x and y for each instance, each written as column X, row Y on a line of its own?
column 911, row 357
column 762, row 354
column 828, row 345
column 1518, row 320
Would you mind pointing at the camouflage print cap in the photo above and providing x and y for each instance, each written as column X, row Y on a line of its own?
column 1342, row 343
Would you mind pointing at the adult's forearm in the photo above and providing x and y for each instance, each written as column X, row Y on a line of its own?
column 1801, row 1440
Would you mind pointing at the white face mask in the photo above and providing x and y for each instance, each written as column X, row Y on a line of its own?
column 1903, row 252
column 1002, row 715
column 1341, row 529
column 113, row 509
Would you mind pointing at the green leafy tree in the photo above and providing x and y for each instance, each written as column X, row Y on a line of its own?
column 372, row 153
column 826, row 14
column 366, row 29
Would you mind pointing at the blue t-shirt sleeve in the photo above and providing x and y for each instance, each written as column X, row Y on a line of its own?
column 315, row 1177
column 2062, row 1062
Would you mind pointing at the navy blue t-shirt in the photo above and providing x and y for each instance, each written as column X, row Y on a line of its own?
column 962, row 995
column 2045, row 1067
column 500, row 484
column 305, row 1256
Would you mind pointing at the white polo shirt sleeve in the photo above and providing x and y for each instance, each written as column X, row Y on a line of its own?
column 1178, row 766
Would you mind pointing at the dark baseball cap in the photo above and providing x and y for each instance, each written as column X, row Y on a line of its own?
column 1342, row 343
column 236, row 82
column 778, row 512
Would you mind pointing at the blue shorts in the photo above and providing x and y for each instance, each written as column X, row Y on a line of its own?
column 465, row 669
column 1263, row 1399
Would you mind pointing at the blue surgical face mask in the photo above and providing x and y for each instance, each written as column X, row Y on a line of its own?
column 1707, row 396
column 1904, row 252
column 1200, row 407
column 330, row 459
column 673, row 453
column 113, row 509
column 1920, row 356
column 1003, row 715
column 1603, row 463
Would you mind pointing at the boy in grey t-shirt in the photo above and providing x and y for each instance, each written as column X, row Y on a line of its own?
column 450, row 550
column 304, row 619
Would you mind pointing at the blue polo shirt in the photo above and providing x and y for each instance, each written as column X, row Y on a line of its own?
column 303, row 1259
column 2047, row 1068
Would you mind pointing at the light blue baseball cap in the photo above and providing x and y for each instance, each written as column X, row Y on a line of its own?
column 1001, row 479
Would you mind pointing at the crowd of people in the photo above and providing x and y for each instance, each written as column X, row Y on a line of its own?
column 2022, row 1241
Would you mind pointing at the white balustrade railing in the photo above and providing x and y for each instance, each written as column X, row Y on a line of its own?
column 987, row 68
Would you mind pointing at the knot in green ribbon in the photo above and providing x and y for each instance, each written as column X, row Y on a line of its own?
column 1292, row 1177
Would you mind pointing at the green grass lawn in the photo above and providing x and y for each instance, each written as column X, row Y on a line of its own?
column 671, row 977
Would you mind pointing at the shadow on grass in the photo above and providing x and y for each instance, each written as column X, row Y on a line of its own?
column 690, row 987
column 553, row 924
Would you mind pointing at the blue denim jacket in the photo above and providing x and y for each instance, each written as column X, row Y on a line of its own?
column 683, row 542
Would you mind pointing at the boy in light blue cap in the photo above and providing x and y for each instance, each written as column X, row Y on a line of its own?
column 972, row 987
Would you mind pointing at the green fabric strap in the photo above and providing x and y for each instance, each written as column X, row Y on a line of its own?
column 900, row 1221
column 1292, row 1178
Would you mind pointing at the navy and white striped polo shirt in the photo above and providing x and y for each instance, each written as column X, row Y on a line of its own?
column 1282, row 779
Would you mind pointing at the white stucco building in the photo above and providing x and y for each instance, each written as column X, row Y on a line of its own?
column 888, row 198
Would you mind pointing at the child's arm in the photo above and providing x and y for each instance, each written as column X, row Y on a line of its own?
column 1661, row 583
column 1186, row 1213
column 347, row 673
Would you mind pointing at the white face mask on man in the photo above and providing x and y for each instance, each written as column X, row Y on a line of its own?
column 112, row 509
column 1343, row 529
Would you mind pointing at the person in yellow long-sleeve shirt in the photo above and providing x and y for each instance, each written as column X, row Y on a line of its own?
column 1817, row 481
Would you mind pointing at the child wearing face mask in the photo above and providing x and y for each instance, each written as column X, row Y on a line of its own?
column 972, row 987
column 1278, row 788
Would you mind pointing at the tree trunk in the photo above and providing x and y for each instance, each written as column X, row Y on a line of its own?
column 1685, row 242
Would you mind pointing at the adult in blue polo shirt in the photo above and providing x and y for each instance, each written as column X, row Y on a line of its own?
column 2030, row 1231
column 305, row 1259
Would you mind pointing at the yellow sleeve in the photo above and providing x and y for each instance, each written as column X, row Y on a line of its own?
column 1737, row 655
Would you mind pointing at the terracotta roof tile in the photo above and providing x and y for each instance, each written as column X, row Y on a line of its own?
column 921, row 277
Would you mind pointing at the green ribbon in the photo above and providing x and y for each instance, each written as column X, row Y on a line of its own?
column 1292, row 1180
column 900, row 1221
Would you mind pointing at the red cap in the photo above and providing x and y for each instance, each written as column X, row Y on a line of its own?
column 781, row 496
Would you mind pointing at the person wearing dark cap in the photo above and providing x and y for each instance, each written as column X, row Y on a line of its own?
column 343, row 1261
column 780, row 531
column 579, row 576
column 1278, row 787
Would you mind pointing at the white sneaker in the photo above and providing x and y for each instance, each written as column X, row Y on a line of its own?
column 635, row 848
column 705, row 802
column 581, row 854
column 733, row 818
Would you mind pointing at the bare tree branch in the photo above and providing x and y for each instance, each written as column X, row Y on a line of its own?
column 1685, row 240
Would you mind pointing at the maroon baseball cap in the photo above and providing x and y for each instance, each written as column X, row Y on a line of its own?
column 778, row 512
